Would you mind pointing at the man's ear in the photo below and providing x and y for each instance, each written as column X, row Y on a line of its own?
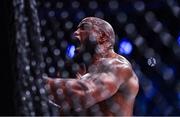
column 102, row 38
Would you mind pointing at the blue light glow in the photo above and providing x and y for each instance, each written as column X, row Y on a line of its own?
column 150, row 92
column 125, row 47
column 178, row 40
column 70, row 51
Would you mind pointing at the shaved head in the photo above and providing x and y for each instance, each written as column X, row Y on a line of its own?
column 96, row 36
column 102, row 27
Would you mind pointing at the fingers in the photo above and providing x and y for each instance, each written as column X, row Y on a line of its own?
column 78, row 75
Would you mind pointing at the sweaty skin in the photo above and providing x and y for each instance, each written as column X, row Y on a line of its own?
column 107, row 87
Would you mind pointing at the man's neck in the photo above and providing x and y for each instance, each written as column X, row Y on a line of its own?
column 104, row 54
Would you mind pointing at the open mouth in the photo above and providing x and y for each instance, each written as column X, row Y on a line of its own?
column 77, row 43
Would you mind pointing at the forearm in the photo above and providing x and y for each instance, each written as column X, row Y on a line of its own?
column 67, row 93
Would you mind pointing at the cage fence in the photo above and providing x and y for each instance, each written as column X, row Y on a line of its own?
column 146, row 37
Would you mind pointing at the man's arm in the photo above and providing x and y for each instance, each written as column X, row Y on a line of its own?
column 90, row 89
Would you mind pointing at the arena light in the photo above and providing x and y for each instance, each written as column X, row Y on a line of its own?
column 168, row 73
column 178, row 40
column 125, row 47
column 70, row 51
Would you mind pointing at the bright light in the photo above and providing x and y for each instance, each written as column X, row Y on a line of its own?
column 70, row 51
column 125, row 47
column 178, row 40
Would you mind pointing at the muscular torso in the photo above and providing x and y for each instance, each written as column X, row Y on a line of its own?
column 110, row 88
column 121, row 103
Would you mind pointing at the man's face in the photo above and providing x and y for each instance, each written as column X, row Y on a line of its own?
column 87, row 37
column 83, row 31
column 84, row 34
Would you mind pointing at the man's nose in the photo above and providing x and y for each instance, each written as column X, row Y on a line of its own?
column 76, row 33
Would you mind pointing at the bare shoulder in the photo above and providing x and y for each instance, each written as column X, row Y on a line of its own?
column 131, row 83
column 119, row 63
column 119, row 66
column 118, row 60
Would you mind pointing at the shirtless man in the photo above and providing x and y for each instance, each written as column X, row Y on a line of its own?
column 108, row 87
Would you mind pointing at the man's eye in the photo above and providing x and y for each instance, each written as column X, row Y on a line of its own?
column 85, row 27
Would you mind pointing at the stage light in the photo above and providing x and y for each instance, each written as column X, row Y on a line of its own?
column 48, row 60
column 52, row 42
column 121, row 17
column 51, row 70
column 70, row 51
column 130, row 28
column 43, row 22
column 80, row 15
column 56, row 52
column 178, row 40
column 51, row 14
column 125, row 47
column 139, row 5
column 151, row 62
column 68, row 25
column 64, row 14
column 60, row 63
column 168, row 73
column 150, row 92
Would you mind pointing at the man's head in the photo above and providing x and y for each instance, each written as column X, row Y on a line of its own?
column 95, row 30
column 96, row 36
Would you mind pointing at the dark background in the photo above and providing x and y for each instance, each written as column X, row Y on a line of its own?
column 6, row 39
column 152, row 30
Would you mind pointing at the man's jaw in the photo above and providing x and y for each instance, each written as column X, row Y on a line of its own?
column 88, row 45
column 77, row 43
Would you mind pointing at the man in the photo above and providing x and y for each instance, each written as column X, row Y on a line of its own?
column 108, row 86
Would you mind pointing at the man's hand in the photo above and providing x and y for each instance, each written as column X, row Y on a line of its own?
column 82, row 71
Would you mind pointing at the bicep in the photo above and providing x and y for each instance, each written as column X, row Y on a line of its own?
column 123, row 72
column 100, row 87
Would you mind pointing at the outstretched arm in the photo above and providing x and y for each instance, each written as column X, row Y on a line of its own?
column 83, row 93
column 78, row 94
